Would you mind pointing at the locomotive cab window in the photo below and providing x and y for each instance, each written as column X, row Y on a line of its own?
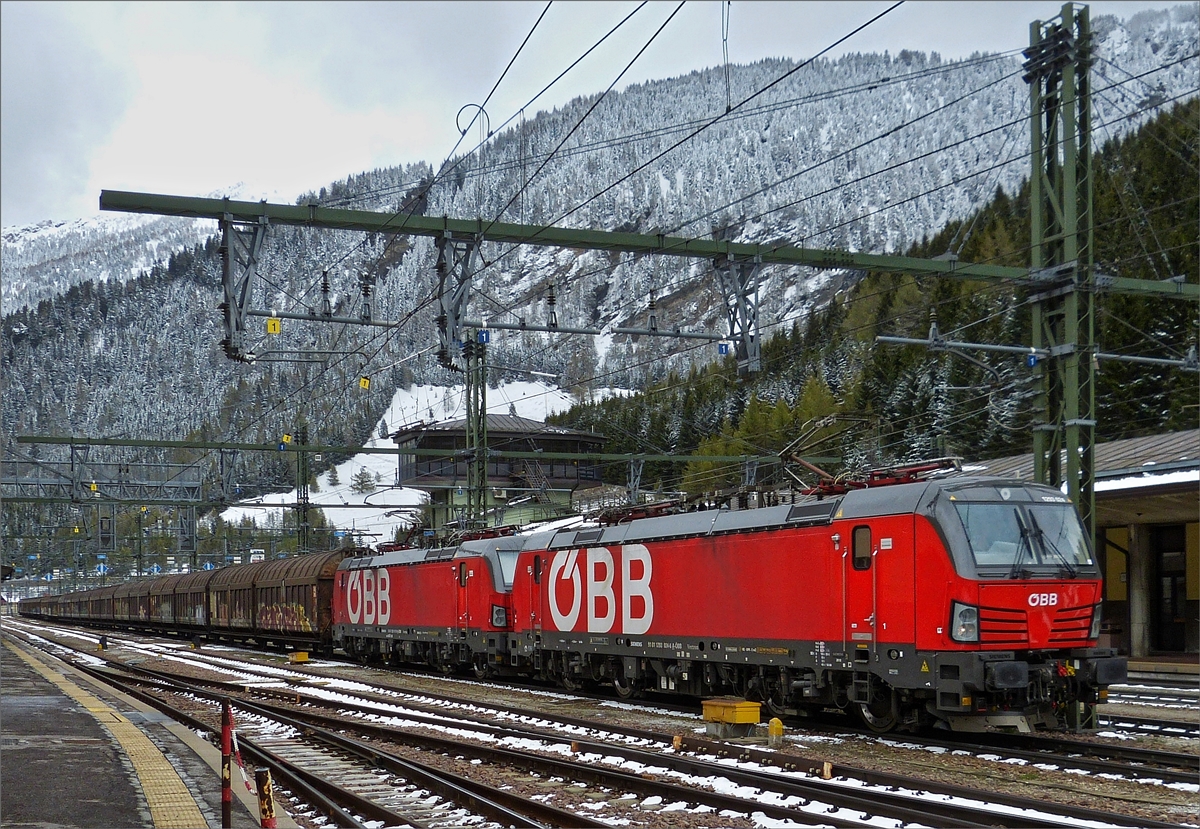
column 862, row 548
column 537, row 569
column 1009, row 531
column 462, row 574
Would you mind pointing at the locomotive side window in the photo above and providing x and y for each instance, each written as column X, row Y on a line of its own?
column 862, row 548
column 537, row 569
column 462, row 574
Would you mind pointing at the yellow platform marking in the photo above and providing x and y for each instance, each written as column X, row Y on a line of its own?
column 171, row 804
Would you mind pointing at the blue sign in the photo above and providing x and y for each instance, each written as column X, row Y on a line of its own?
column 49, row 577
column 483, row 336
column 155, row 569
column 101, row 556
column 722, row 348
column 339, row 533
column 33, row 558
column 102, row 569
column 1031, row 360
column 208, row 565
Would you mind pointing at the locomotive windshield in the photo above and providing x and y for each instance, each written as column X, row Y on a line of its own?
column 1017, row 531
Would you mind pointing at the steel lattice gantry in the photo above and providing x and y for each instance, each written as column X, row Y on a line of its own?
column 1062, row 232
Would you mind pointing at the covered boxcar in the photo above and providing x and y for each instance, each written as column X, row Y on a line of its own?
column 100, row 603
column 293, row 599
column 124, row 605
column 190, row 600
column 161, row 601
column 231, row 600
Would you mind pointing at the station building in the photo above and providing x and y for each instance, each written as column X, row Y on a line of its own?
column 520, row 490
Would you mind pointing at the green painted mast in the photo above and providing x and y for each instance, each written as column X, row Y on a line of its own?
column 1061, row 254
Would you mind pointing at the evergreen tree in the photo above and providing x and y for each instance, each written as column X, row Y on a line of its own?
column 363, row 481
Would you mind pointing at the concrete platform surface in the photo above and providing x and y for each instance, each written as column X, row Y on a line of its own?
column 75, row 754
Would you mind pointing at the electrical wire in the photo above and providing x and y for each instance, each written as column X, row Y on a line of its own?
column 579, row 123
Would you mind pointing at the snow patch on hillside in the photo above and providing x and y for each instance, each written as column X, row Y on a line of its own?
column 376, row 516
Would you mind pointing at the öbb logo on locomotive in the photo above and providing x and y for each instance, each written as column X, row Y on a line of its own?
column 1043, row 599
column 598, row 588
column 368, row 597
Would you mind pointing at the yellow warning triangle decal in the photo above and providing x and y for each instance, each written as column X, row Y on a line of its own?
column 924, row 666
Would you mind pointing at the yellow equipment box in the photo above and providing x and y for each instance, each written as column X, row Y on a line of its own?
column 298, row 656
column 731, row 710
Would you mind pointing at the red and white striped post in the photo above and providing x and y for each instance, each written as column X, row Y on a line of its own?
column 226, row 766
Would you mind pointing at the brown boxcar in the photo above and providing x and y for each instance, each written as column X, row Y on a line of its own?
column 139, row 602
column 293, row 598
column 190, row 600
column 100, row 603
column 231, row 599
column 161, row 600
column 124, row 606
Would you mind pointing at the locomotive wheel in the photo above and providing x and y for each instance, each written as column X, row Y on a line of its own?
column 625, row 688
column 776, row 706
column 570, row 683
column 879, row 715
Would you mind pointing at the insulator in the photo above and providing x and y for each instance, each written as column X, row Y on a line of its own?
column 365, row 284
column 326, row 305
column 551, row 314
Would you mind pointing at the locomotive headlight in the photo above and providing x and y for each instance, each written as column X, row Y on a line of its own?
column 964, row 622
column 1094, row 632
column 499, row 616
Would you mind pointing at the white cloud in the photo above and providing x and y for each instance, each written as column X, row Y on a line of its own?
column 186, row 132
column 192, row 97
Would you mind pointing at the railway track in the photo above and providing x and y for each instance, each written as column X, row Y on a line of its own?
column 348, row 783
column 1156, row 696
column 1119, row 760
column 1058, row 752
column 821, row 792
column 788, row 788
column 1143, row 725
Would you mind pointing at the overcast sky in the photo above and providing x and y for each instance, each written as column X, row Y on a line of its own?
column 193, row 98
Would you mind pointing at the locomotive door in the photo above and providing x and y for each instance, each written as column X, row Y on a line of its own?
column 462, row 575
column 534, row 574
column 859, row 592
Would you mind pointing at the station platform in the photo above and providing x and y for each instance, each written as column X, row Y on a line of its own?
column 76, row 754
column 1183, row 667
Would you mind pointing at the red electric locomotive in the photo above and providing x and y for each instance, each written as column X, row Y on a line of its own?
column 960, row 601
column 447, row 608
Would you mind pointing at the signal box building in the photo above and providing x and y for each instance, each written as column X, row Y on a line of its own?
column 1148, row 541
column 519, row 490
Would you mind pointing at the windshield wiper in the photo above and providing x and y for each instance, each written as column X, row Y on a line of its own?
column 1015, row 572
column 1072, row 571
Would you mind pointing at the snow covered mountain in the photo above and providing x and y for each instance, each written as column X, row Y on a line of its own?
column 111, row 328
